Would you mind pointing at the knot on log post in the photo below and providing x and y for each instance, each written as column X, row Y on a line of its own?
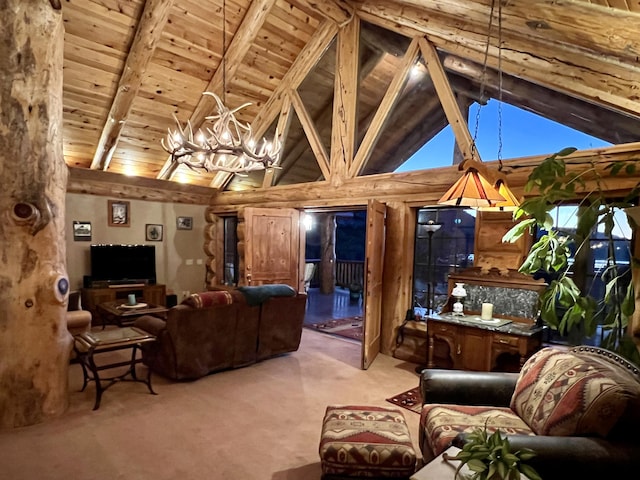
column 26, row 213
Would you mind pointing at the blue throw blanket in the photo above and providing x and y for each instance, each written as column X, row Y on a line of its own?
column 255, row 295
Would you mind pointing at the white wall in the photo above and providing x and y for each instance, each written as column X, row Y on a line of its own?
column 177, row 249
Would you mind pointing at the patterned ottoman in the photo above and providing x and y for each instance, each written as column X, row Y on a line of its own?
column 372, row 442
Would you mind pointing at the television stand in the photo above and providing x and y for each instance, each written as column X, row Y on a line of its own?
column 92, row 297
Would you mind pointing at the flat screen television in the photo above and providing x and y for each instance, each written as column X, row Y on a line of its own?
column 123, row 263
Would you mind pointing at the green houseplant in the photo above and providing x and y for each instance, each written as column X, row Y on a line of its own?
column 489, row 457
column 564, row 306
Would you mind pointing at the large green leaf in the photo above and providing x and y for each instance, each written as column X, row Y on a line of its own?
column 629, row 303
column 518, row 230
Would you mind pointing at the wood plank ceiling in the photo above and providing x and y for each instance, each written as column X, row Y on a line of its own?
column 129, row 66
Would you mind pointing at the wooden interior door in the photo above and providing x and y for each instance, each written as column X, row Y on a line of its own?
column 374, row 255
column 270, row 246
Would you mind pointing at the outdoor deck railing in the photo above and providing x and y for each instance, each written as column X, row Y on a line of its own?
column 347, row 273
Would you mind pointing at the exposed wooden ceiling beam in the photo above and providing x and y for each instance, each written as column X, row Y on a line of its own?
column 299, row 149
column 537, row 59
column 312, row 134
column 449, row 102
column 284, row 122
column 382, row 113
column 345, row 101
column 575, row 24
column 413, row 124
column 338, row 11
column 580, row 115
column 152, row 22
column 417, row 188
column 240, row 44
column 302, row 65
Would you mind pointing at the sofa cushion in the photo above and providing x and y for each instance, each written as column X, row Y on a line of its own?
column 562, row 393
column 208, row 299
column 366, row 441
column 256, row 294
column 442, row 423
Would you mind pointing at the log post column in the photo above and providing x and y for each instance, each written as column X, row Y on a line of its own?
column 328, row 254
column 34, row 342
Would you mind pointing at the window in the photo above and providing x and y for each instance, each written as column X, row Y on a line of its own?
column 230, row 251
column 586, row 268
column 441, row 251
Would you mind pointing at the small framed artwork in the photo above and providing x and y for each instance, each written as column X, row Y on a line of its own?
column 153, row 232
column 81, row 231
column 184, row 223
column 119, row 213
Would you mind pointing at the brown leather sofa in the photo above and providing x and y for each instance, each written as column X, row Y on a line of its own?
column 223, row 329
column 578, row 410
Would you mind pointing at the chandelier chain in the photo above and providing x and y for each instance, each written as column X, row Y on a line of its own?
column 227, row 145
column 474, row 147
column 224, row 51
column 499, row 86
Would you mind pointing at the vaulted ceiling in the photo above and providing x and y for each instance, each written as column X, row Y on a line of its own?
column 129, row 66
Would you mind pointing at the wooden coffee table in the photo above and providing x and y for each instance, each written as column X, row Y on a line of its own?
column 88, row 344
column 121, row 314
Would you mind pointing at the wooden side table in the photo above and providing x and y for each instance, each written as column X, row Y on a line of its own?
column 88, row 344
column 121, row 314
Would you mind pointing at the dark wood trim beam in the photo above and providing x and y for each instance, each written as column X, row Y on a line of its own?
column 115, row 185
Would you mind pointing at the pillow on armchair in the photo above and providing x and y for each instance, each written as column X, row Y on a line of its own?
column 564, row 393
column 208, row 299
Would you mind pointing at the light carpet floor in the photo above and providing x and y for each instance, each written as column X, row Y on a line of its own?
column 260, row 422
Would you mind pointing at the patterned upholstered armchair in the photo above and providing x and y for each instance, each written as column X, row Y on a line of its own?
column 578, row 409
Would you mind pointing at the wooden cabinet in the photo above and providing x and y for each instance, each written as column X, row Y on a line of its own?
column 456, row 345
column 490, row 250
column 92, row 297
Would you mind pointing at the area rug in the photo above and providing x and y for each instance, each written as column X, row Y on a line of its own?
column 411, row 400
column 350, row 327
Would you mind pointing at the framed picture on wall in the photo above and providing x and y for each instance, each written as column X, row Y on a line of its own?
column 81, row 231
column 153, row 232
column 184, row 223
column 119, row 213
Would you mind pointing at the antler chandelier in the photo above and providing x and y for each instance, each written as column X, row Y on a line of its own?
column 227, row 145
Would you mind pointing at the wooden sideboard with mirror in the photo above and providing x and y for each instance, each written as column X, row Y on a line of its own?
column 502, row 342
